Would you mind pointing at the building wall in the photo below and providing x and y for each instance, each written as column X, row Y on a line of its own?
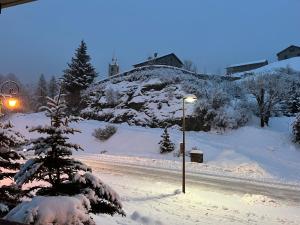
column 289, row 53
column 244, row 68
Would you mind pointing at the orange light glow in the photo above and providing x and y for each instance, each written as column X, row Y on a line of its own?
column 12, row 103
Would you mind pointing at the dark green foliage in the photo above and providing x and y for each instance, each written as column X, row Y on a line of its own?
column 54, row 165
column 41, row 92
column 105, row 133
column 10, row 142
column 79, row 75
column 296, row 129
column 165, row 144
column 52, row 87
column 291, row 104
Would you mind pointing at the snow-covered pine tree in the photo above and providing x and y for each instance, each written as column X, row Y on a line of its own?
column 291, row 106
column 52, row 87
column 53, row 163
column 296, row 129
column 10, row 142
column 79, row 75
column 165, row 144
column 41, row 92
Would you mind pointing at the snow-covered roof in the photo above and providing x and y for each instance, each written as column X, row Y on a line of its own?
column 248, row 63
column 291, row 46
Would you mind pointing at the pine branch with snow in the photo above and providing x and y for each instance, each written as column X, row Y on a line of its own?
column 10, row 142
column 53, row 164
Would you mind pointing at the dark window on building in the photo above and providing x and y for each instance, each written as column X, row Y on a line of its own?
column 298, row 54
column 285, row 56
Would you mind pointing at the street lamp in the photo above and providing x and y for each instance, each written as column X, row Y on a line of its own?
column 9, row 89
column 188, row 99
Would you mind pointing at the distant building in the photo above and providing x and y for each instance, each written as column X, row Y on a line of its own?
column 289, row 52
column 113, row 67
column 243, row 67
column 168, row 60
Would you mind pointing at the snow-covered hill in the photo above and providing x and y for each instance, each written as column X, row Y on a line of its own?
column 148, row 96
column 293, row 63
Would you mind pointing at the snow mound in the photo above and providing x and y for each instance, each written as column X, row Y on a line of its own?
column 136, row 216
column 52, row 210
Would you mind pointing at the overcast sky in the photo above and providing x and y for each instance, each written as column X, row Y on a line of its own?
column 41, row 37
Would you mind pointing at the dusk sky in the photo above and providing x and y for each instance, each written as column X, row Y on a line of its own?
column 41, row 37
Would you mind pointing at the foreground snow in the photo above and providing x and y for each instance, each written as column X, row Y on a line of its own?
column 159, row 202
column 250, row 151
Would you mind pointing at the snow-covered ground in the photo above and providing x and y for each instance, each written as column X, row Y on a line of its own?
column 293, row 63
column 159, row 202
column 251, row 152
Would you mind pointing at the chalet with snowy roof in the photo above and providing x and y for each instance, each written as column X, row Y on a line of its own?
column 168, row 60
column 243, row 67
column 289, row 52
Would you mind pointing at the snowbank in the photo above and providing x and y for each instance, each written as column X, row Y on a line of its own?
column 52, row 210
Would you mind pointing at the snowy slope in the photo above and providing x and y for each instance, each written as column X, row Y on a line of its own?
column 148, row 96
column 293, row 63
column 249, row 151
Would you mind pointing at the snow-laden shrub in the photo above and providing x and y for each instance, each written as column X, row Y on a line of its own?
column 105, row 133
column 217, row 110
column 296, row 129
column 112, row 96
column 53, row 210
column 10, row 142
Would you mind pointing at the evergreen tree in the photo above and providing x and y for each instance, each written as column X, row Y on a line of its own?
column 291, row 106
column 10, row 142
column 52, row 87
column 165, row 144
column 79, row 75
column 41, row 92
column 296, row 129
column 53, row 164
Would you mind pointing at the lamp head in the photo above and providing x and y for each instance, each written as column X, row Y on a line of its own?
column 12, row 103
column 190, row 98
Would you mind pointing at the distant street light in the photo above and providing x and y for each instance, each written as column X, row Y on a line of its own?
column 188, row 99
column 8, row 91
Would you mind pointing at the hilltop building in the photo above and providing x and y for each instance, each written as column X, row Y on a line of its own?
column 113, row 67
column 289, row 52
column 243, row 67
column 168, row 60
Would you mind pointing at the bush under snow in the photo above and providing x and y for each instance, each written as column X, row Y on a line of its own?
column 53, row 210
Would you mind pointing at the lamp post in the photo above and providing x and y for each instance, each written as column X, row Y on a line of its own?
column 188, row 99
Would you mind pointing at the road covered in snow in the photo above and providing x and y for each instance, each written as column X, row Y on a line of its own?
column 152, row 196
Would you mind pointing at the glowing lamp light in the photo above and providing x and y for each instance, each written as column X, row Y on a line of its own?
column 190, row 98
column 12, row 103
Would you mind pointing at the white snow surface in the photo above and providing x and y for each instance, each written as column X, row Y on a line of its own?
column 293, row 63
column 251, row 151
column 159, row 202
column 52, row 210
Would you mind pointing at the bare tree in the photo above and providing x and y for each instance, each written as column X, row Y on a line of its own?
column 190, row 66
column 268, row 90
